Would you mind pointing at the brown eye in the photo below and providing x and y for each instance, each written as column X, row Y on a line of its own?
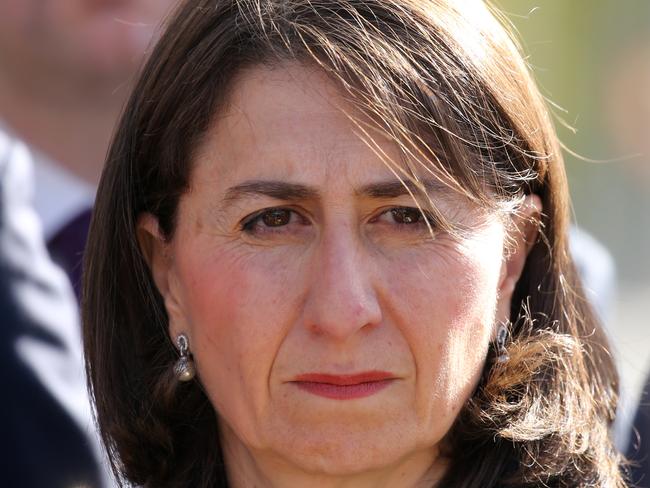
column 273, row 220
column 407, row 215
column 276, row 217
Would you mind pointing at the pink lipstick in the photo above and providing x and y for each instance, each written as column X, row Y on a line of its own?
column 344, row 387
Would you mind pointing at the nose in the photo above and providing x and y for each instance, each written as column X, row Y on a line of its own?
column 341, row 299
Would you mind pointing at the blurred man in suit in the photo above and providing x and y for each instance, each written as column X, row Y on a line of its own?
column 46, row 415
column 639, row 448
column 65, row 70
column 628, row 117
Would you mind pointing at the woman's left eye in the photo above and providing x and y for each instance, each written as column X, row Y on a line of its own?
column 404, row 216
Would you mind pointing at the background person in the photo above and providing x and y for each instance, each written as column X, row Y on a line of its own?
column 633, row 76
column 638, row 451
column 46, row 414
column 65, row 68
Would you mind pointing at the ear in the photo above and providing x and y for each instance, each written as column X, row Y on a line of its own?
column 523, row 232
column 156, row 252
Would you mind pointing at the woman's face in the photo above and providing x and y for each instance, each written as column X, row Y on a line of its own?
column 330, row 330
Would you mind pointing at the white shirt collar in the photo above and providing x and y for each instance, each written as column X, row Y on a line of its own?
column 59, row 196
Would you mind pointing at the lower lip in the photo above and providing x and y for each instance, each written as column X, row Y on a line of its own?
column 343, row 392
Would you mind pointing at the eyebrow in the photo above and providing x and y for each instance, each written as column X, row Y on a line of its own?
column 393, row 189
column 282, row 190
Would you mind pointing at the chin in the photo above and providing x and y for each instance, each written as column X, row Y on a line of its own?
column 348, row 460
column 342, row 453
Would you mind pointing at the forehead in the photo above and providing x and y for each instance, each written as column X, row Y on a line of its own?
column 291, row 122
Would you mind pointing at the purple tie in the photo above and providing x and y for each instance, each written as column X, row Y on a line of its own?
column 67, row 247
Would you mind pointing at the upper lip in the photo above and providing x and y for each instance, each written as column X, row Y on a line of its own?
column 344, row 379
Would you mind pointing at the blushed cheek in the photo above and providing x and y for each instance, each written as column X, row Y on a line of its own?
column 237, row 308
column 228, row 290
column 214, row 299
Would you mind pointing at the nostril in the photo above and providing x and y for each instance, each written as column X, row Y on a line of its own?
column 341, row 317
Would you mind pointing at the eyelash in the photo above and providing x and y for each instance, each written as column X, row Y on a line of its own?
column 250, row 222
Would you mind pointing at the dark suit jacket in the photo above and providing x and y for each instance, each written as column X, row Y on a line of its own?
column 45, row 411
column 639, row 449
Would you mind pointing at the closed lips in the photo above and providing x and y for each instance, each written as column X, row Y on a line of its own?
column 344, row 387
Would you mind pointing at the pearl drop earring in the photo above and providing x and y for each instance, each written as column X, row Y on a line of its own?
column 184, row 367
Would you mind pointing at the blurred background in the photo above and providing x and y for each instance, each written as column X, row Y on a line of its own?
column 591, row 59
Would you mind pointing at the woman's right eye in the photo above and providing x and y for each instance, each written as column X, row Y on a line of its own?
column 273, row 220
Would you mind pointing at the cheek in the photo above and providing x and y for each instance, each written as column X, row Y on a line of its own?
column 450, row 287
column 447, row 315
column 238, row 311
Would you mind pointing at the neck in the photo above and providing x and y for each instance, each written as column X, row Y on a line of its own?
column 72, row 126
column 247, row 468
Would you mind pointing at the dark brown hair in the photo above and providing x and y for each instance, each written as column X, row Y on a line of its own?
column 449, row 86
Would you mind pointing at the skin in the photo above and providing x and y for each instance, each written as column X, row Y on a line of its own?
column 342, row 285
column 66, row 70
